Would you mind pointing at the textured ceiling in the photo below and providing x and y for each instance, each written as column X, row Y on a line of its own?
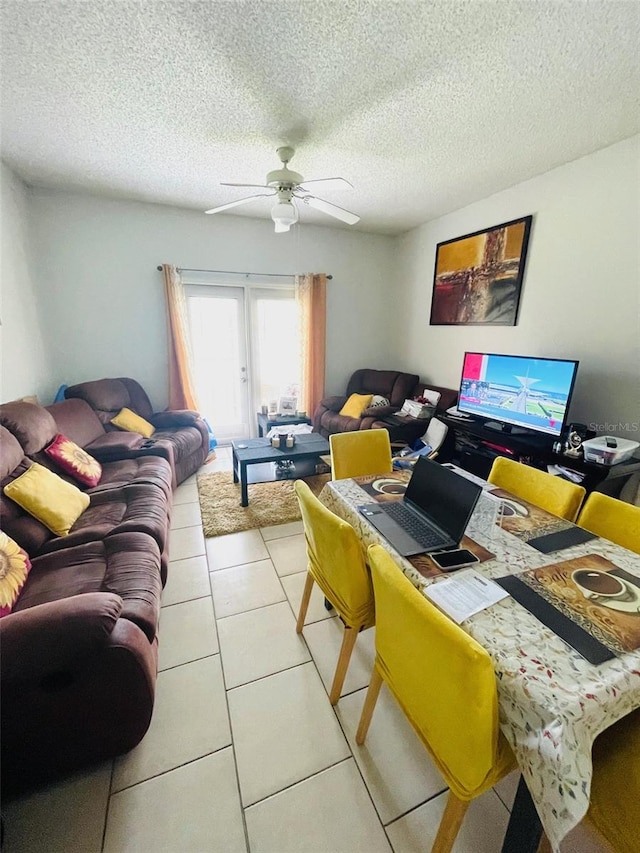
column 423, row 106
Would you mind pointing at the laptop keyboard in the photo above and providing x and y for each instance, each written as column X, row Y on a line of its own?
column 415, row 527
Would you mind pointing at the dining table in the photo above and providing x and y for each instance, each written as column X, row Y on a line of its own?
column 552, row 701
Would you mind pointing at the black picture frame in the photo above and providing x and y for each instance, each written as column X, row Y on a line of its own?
column 477, row 278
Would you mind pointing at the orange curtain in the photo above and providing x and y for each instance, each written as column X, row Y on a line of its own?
column 311, row 296
column 181, row 386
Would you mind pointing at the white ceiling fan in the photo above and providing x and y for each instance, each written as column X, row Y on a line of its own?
column 287, row 186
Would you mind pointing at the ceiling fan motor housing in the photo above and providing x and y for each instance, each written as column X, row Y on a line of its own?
column 284, row 178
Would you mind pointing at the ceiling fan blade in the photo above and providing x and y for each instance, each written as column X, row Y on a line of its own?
column 238, row 202
column 331, row 209
column 258, row 186
column 319, row 180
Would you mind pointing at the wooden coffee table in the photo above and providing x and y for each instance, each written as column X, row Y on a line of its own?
column 259, row 453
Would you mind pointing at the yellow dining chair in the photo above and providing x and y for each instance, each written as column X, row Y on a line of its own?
column 356, row 454
column 614, row 807
column 337, row 565
column 554, row 494
column 439, row 675
column 612, row 519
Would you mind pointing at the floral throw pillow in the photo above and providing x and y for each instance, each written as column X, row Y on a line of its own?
column 14, row 568
column 75, row 461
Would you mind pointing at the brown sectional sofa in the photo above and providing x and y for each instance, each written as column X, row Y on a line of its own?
column 124, row 456
column 181, row 437
column 78, row 680
column 136, row 506
column 79, row 649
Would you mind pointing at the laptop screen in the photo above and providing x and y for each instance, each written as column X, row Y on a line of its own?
column 444, row 496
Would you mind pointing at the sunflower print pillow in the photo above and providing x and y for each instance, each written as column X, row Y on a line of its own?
column 14, row 568
column 75, row 461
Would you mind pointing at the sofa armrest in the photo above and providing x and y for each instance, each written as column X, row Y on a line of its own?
column 176, row 418
column 112, row 446
column 47, row 637
column 378, row 412
column 329, row 404
column 67, row 708
column 333, row 404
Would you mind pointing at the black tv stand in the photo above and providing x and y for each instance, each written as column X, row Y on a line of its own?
column 474, row 445
column 508, row 429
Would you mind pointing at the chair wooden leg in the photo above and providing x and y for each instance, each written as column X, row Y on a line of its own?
column 348, row 642
column 369, row 704
column 545, row 845
column 304, row 604
column 452, row 818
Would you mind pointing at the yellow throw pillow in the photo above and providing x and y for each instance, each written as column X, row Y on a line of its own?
column 355, row 405
column 129, row 421
column 49, row 498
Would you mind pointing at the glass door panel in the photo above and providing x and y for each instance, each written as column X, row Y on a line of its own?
column 229, row 393
column 275, row 342
column 219, row 344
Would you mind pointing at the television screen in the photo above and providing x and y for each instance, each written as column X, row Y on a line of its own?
column 515, row 390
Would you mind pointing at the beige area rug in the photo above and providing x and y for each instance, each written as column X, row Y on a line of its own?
column 269, row 503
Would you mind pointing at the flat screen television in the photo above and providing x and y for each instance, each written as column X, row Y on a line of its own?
column 517, row 391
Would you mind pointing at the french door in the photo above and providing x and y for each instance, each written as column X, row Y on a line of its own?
column 246, row 345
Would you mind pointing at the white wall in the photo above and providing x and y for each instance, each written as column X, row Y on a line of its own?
column 104, row 300
column 98, row 288
column 581, row 291
column 24, row 366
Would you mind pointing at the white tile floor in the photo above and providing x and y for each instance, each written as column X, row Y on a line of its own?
column 244, row 752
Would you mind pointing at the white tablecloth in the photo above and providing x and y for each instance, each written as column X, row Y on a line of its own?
column 553, row 703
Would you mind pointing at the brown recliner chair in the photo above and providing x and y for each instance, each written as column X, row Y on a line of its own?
column 392, row 384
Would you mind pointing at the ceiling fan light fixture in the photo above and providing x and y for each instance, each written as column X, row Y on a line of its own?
column 284, row 214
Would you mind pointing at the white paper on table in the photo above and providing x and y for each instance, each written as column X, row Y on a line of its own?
column 290, row 429
column 465, row 594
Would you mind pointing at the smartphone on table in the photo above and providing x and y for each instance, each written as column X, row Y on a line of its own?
column 449, row 561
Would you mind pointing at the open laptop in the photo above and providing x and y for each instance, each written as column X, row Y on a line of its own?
column 433, row 513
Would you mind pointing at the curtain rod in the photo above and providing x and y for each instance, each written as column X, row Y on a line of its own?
column 235, row 272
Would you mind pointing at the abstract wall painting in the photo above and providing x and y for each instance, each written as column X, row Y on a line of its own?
column 478, row 277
